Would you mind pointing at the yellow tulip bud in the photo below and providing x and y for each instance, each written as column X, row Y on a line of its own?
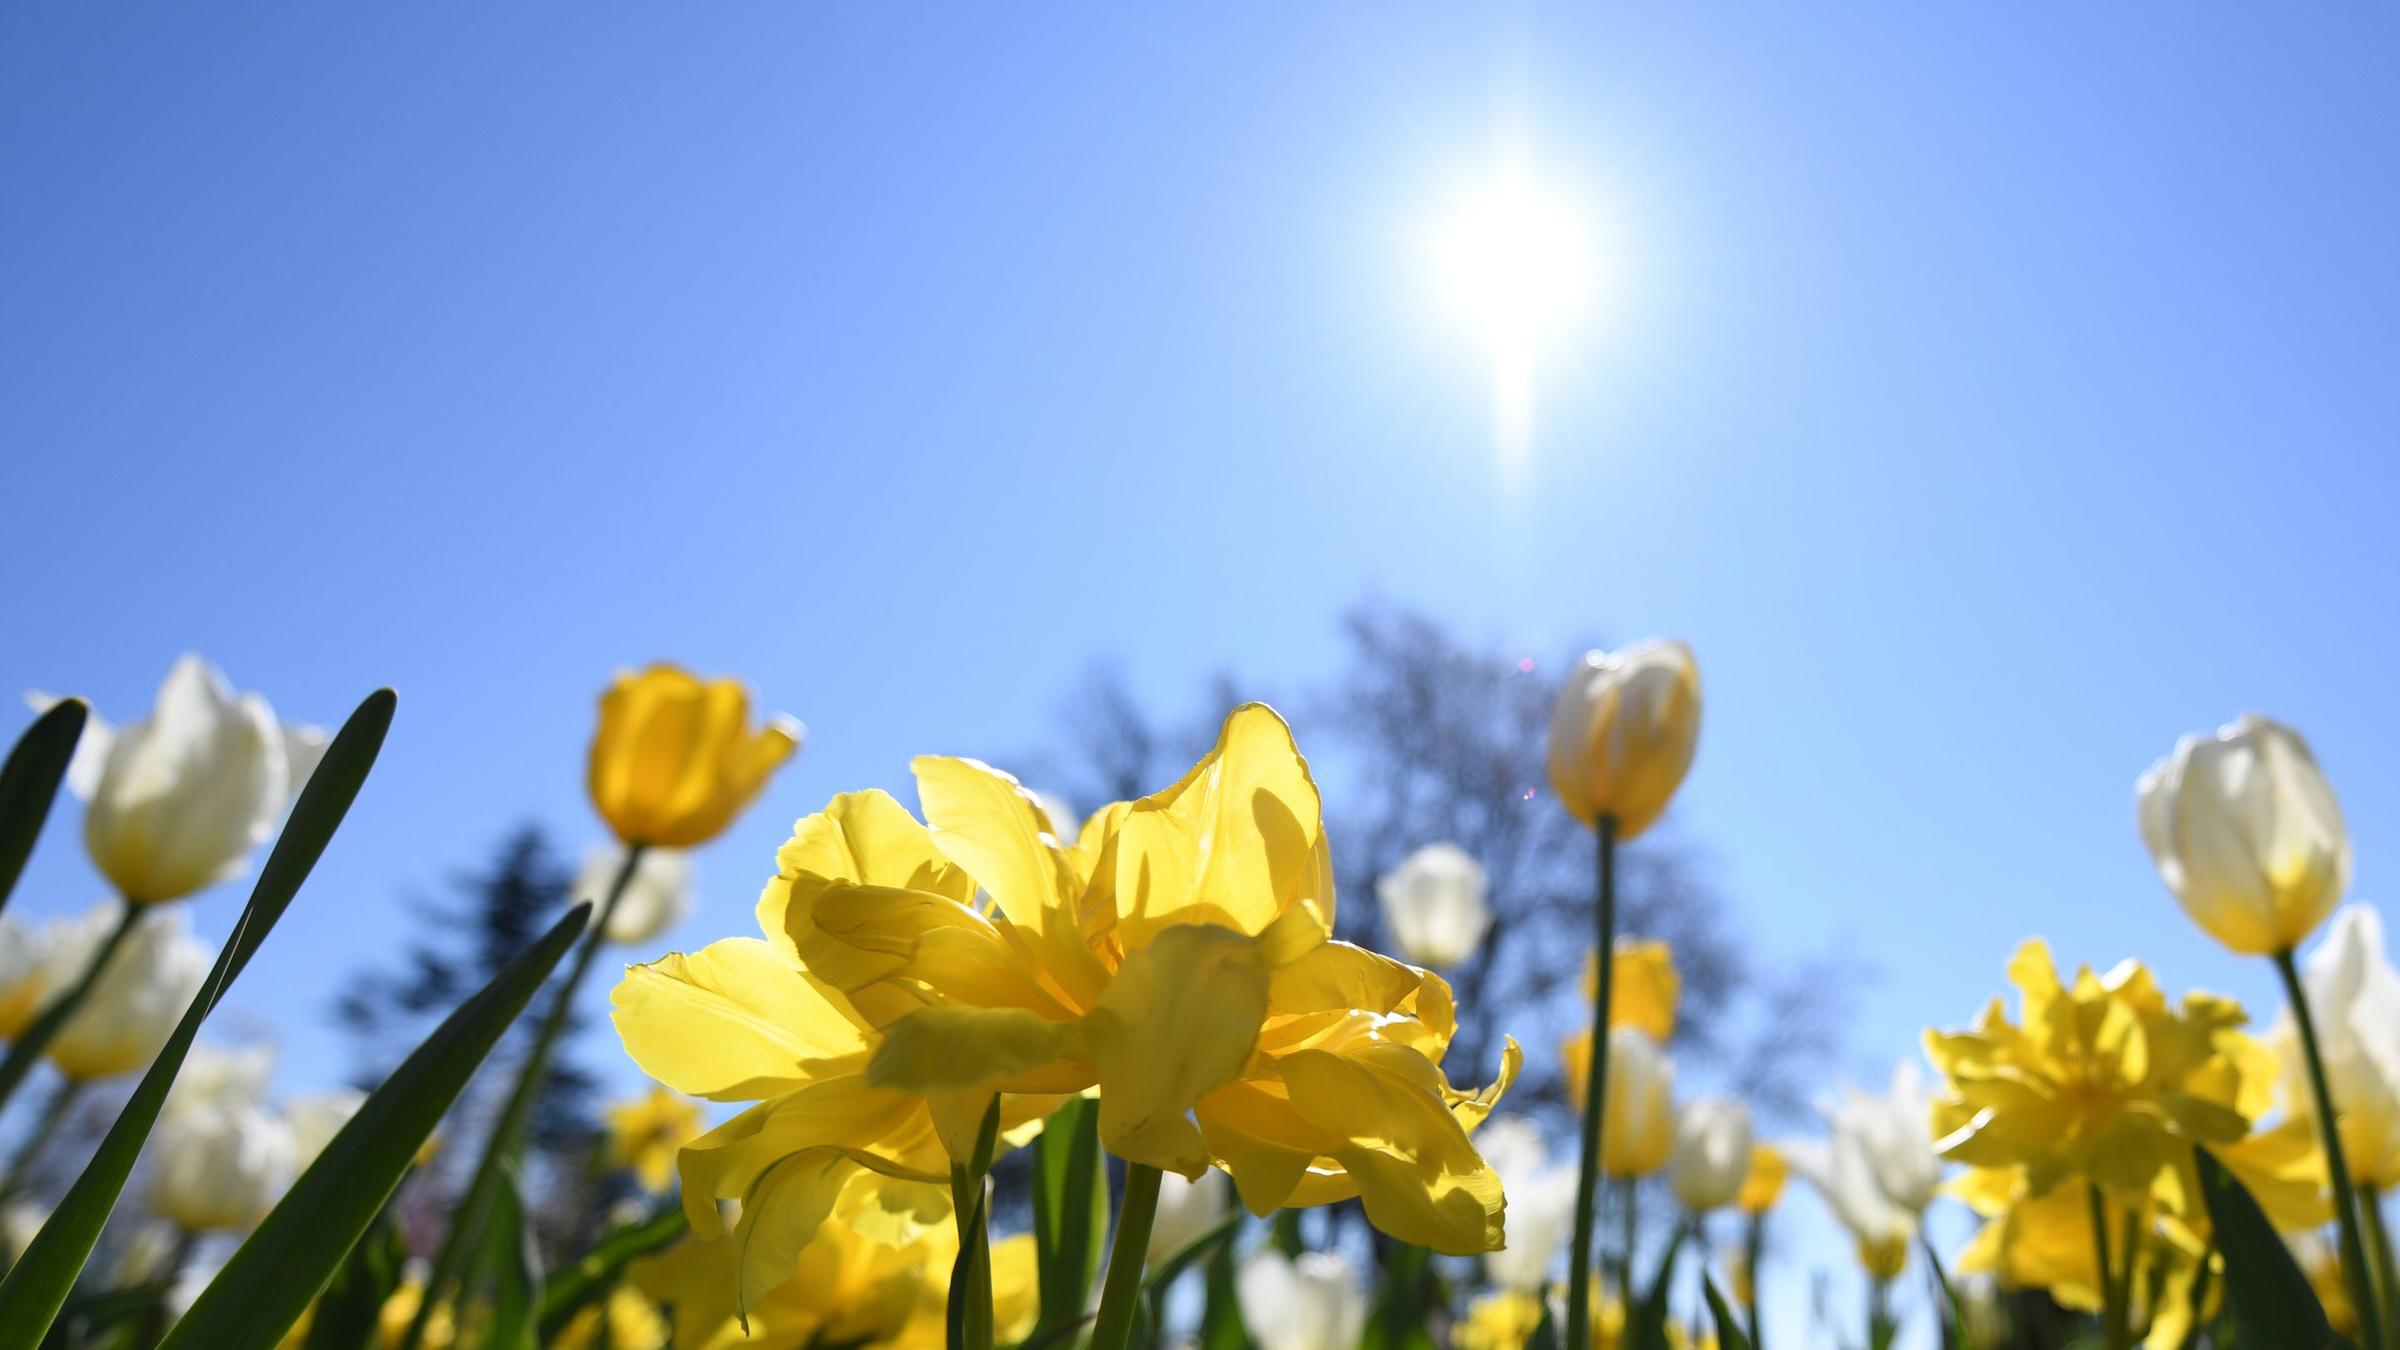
column 1642, row 987
column 2246, row 833
column 675, row 759
column 1764, row 1185
column 1622, row 735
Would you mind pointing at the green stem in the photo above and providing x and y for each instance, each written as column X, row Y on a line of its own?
column 1587, row 1176
column 2379, row 1242
column 508, row 1132
column 2112, row 1313
column 1754, row 1241
column 54, row 1113
column 2329, row 1134
column 29, row 1047
column 1625, row 1256
column 1120, row 1293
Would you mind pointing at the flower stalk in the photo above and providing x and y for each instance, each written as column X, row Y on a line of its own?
column 2355, row 1269
column 1120, row 1292
column 1587, row 1176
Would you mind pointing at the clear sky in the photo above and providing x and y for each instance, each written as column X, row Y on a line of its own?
column 1990, row 395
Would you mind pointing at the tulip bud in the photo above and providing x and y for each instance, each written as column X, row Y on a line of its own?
column 137, row 1000
column 1186, row 1209
column 177, row 802
column 2246, row 833
column 1711, row 1157
column 1433, row 903
column 1622, row 735
column 23, row 968
column 1638, row 1131
column 1764, row 1185
column 675, row 759
column 220, row 1168
column 1314, row 1303
column 1643, row 986
column 656, row 897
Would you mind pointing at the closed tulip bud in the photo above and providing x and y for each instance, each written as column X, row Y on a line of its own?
column 2246, row 833
column 657, row 896
column 675, row 759
column 1638, row 1133
column 1643, row 986
column 176, row 802
column 1433, row 902
column 138, row 998
column 1314, row 1303
column 220, row 1168
column 1186, row 1209
column 1622, row 736
column 1711, row 1158
column 1764, row 1185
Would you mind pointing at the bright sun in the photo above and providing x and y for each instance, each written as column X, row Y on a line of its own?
column 1514, row 260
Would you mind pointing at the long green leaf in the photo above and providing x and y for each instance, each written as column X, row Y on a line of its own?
column 39, row 1283
column 1408, row 1290
column 579, row 1286
column 1952, row 1313
column 1070, row 1210
column 1221, row 1326
column 515, row 1268
column 29, row 783
column 1730, row 1335
column 346, row 1315
column 1650, row 1318
column 262, row 1291
column 2272, row 1303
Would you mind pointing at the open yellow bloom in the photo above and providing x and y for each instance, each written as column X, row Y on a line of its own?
column 675, row 758
column 1176, row 956
column 1764, row 1185
column 646, row 1132
column 2103, row 1081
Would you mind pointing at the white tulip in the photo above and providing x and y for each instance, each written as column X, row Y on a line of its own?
column 177, row 801
column 24, row 974
column 1433, row 902
column 2353, row 994
column 137, row 1000
column 1541, row 1202
column 657, row 896
column 1186, row 1209
column 1712, row 1154
column 1314, row 1303
column 221, row 1167
column 317, row 1118
column 1637, row 1129
column 212, row 1078
column 1623, row 733
column 2246, row 833
column 1878, row 1170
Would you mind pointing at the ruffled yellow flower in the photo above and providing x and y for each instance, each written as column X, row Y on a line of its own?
column 646, row 1132
column 1175, row 955
column 1764, row 1185
column 2103, row 1081
column 860, row 1281
column 675, row 759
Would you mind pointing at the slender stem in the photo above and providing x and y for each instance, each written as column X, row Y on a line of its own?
column 508, row 1132
column 2379, row 1244
column 36, row 1038
column 1587, row 1176
column 54, row 1113
column 1121, row 1291
column 971, row 1273
column 1625, row 1262
column 2329, row 1134
column 1754, row 1241
column 2112, row 1313
column 2129, row 1261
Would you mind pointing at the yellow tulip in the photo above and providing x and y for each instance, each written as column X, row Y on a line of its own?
column 675, row 758
column 1637, row 1129
column 1643, row 986
column 1764, row 1185
column 1622, row 735
column 646, row 1132
column 1175, row 955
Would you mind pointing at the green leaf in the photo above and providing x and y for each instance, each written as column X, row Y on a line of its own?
column 515, row 1266
column 1649, row 1329
column 1953, row 1313
column 1070, row 1210
column 263, row 1289
column 2272, row 1303
column 1207, row 1241
column 349, row 1310
column 38, row 1285
column 1545, row 1332
column 968, row 1312
column 1730, row 1335
column 29, row 782
column 586, row 1282
column 1221, row 1325
column 1397, row 1321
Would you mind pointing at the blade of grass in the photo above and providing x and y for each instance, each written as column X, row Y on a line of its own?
column 29, row 781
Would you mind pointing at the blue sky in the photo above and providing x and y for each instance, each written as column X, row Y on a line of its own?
column 1990, row 396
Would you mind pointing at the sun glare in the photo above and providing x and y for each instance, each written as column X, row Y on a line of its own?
column 1513, row 261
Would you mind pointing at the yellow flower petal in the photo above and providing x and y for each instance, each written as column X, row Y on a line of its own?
column 1178, row 1020
column 952, row 1048
column 1419, row 1177
column 734, row 1021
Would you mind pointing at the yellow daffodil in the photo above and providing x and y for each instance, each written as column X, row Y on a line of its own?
column 1622, row 735
column 2045, row 1242
column 1764, row 1185
column 675, row 758
column 2103, row 1080
column 646, row 1132
column 1175, row 956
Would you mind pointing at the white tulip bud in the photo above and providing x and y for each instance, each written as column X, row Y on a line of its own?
column 221, row 1168
column 1434, row 904
column 657, row 896
column 2246, row 833
column 1623, row 733
column 1712, row 1154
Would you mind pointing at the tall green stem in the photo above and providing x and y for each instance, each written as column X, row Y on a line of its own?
column 2112, row 1309
column 2379, row 1249
column 54, row 1113
column 1754, row 1241
column 28, row 1048
column 1587, row 1176
column 508, row 1132
column 1120, row 1292
column 2345, row 1201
